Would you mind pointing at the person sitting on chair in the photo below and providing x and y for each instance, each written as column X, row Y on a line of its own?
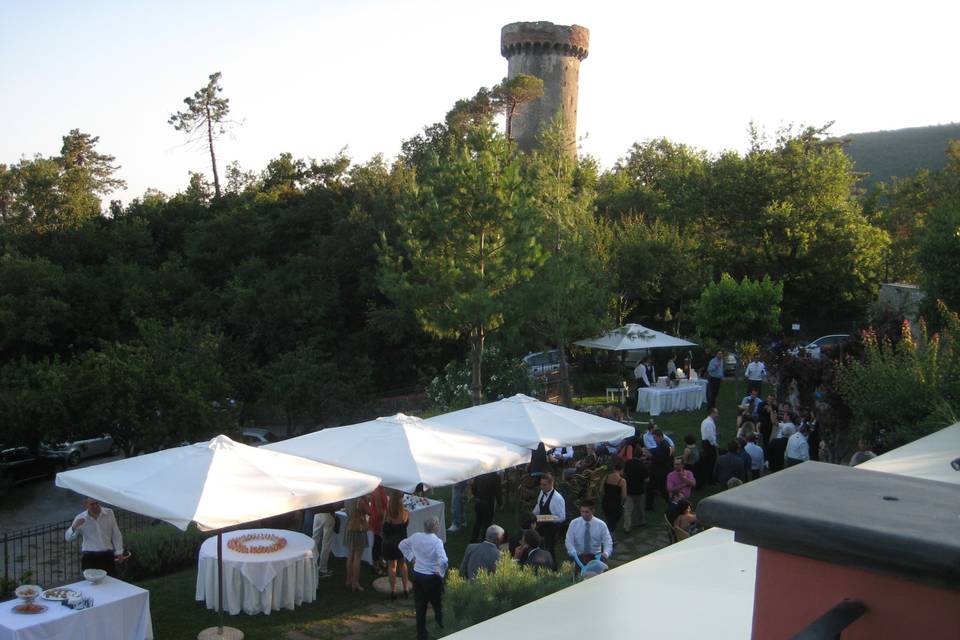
column 687, row 520
column 483, row 555
column 532, row 555
column 588, row 537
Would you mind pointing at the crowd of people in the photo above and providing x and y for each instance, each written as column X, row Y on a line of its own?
column 769, row 435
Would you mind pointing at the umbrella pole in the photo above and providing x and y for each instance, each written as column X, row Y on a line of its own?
column 220, row 577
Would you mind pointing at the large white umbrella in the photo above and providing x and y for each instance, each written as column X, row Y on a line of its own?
column 216, row 484
column 634, row 336
column 406, row 451
column 526, row 422
column 929, row 457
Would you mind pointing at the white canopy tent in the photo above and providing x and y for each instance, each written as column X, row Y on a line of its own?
column 406, row 451
column 526, row 422
column 216, row 484
column 634, row 336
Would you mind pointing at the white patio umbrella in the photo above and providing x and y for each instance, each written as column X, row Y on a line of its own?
column 526, row 422
column 929, row 457
column 634, row 336
column 406, row 451
column 216, row 484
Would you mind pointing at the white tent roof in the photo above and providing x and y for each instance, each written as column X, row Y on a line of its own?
column 634, row 336
column 526, row 422
column 405, row 451
column 710, row 576
column 927, row 458
column 216, row 484
column 707, row 580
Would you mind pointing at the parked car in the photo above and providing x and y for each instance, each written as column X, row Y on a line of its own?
column 71, row 453
column 542, row 363
column 19, row 464
column 257, row 437
column 824, row 342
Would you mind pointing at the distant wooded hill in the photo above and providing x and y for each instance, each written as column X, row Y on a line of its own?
column 901, row 152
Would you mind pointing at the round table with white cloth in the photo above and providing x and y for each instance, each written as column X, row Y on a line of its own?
column 687, row 396
column 259, row 582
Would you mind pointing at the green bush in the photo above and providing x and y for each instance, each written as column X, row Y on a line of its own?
column 162, row 549
column 490, row 594
column 503, row 376
column 900, row 391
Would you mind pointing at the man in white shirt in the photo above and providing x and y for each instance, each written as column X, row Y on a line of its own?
column 588, row 536
column 755, row 452
column 756, row 373
column 425, row 550
column 549, row 503
column 102, row 542
column 798, row 450
column 708, row 437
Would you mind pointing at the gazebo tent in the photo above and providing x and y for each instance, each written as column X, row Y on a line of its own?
column 634, row 336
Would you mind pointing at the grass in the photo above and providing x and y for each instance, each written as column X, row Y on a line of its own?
column 177, row 616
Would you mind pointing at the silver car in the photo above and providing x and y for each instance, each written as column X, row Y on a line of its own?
column 74, row 451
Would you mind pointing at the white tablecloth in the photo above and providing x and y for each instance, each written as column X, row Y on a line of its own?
column 686, row 397
column 120, row 611
column 417, row 517
column 259, row 582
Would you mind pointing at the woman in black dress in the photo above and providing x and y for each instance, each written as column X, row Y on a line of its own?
column 395, row 530
column 614, row 495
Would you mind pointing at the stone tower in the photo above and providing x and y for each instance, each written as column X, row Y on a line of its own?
column 551, row 52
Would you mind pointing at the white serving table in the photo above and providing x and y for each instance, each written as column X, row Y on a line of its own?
column 418, row 514
column 259, row 582
column 120, row 611
column 688, row 396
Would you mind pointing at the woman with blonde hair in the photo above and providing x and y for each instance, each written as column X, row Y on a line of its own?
column 395, row 530
column 355, row 538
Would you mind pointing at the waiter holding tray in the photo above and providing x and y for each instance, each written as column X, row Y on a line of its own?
column 102, row 542
column 551, row 511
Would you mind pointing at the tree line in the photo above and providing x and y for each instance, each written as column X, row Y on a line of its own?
column 300, row 291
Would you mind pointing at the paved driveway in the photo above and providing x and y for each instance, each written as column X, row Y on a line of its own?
column 39, row 502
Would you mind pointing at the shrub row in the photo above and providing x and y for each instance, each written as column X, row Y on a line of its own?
column 162, row 549
column 490, row 594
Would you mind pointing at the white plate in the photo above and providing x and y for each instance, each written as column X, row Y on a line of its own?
column 64, row 594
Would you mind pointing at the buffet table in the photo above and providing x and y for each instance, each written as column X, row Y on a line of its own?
column 259, row 582
column 120, row 611
column 688, row 396
column 420, row 509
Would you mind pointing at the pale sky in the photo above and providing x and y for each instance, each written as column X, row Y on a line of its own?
column 311, row 77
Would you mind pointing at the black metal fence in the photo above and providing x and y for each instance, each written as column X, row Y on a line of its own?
column 41, row 555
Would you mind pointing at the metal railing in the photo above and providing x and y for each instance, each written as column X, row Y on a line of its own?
column 41, row 555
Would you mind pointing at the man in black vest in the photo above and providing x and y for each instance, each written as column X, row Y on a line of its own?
column 549, row 503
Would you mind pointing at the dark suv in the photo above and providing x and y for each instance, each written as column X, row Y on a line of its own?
column 19, row 464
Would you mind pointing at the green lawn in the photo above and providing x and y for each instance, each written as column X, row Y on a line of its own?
column 177, row 616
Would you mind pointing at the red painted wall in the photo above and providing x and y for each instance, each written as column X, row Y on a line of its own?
column 792, row 592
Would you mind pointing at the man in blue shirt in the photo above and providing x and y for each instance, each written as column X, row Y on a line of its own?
column 714, row 378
